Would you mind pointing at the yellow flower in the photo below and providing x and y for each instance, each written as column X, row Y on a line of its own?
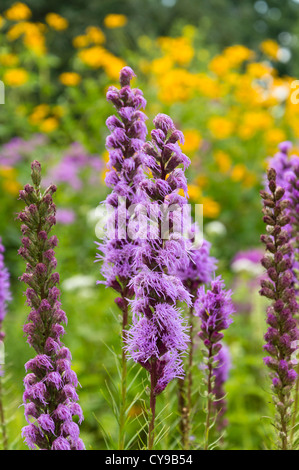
column 36, row 43
column 223, row 161
column 221, row 127
column 237, row 54
column 49, row 125
column 115, row 21
column 270, row 48
column 239, row 172
column 211, row 208
column 194, row 192
column 12, row 187
column 93, row 56
column 179, row 49
column 161, row 65
column 18, row 12
column 70, row 78
column 39, row 113
column 15, row 77
column 274, row 136
column 219, row 65
column 95, row 35
column 9, row 60
column 258, row 69
column 193, row 140
column 80, row 41
column 7, row 172
column 56, row 21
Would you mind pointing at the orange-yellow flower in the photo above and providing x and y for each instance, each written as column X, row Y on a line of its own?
column 81, row 41
column 193, row 139
column 18, row 12
column 270, row 48
column 9, row 60
column 49, row 125
column 211, row 208
column 221, row 127
column 70, row 78
column 56, row 21
column 223, row 161
column 115, row 21
column 15, row 77
column 95, row 35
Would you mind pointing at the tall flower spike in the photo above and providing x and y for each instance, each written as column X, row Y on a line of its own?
column 199, row 271
column 128, row 133
column 282, row 332
column 214, row 308
column 158, row 336
column 50, row 396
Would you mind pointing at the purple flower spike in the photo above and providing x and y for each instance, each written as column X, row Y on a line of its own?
column 50, row 396
column 158, row 336
column 128, row 133
column 282, row 334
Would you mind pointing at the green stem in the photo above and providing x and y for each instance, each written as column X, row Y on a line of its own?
column 2, row 420
column 123, row 404
column 295, row 414
column 151, row 428
column 210, row 401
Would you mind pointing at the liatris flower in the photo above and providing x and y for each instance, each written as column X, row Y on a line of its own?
column 282, row 332
column 128, row 133
column 287, row 176
column 199, row 271
column 158, row 336
column 221, row 375
column 50, row 397
column 214, row 307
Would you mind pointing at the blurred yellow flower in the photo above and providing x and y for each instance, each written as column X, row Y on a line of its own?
column 81, row 41
column 49, row 125
column 221, row 127
column 9, row 60
column 12, row 187
column 223, row 161
column 70, row 78
column 194, row 192
column 274, row 136
column 7, row 171
column 258, row 69
column 211, row 208
column 93, row 56
column 115, row 21
column 56, row 21
column 193, row 140
column 39, row 113
column 18, row 12
column 270, row 48
column 179, row 49
column 95, row 35
column 2, row 21
column 239, row 172
column 16, row 77
column 219, row 65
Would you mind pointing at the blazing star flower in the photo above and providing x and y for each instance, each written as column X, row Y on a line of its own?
column 282, row 332
column 128, row 133
column 214, row 308
column 5, row 295
column 158, row 337
column 50, row 396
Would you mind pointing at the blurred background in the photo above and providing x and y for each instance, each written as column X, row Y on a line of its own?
column 225, row 72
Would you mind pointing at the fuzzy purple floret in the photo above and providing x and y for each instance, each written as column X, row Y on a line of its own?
column 50, row 396
column 158, row 337
column 215, row 308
